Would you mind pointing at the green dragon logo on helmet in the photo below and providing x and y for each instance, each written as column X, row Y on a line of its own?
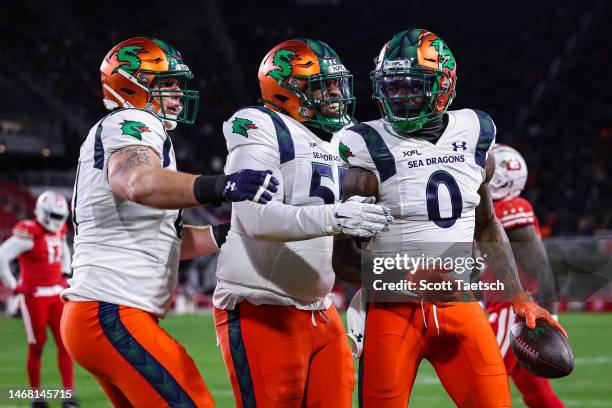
column 446, row 58
column 282, row 60
column 242, row 126
column 345, row 152
column 133, row 128
column 129, row 59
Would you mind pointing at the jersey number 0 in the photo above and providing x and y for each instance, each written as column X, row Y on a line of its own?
column 433, row 202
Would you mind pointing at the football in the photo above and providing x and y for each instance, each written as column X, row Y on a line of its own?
column 543, row 351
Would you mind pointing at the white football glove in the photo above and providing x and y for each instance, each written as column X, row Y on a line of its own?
column 355, row 320
column 360, row 217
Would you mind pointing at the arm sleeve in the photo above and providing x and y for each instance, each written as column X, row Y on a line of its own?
column 9, row 250
column 66, row 259
column 275, row 221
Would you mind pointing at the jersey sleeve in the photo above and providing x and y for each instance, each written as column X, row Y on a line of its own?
column 25, row 229
column 132, row 127
column 515, row 212
column 255, row 126
column 274, row 221
column 486, row 137
column 354, row 151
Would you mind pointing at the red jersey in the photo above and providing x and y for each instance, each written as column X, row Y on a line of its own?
column 41, row 265
column 516, row 212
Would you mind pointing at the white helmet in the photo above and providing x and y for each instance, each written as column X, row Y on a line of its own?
column 51, row 210
column 510, row 172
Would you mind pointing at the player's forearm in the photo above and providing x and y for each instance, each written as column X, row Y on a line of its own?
column 9, row 250
column 280, row 222
column 158, row 188
column 532, row 258
column 495, row 247
column 197, row 241
column 5, row 274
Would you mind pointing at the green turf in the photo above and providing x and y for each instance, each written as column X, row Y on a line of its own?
column 588, row 386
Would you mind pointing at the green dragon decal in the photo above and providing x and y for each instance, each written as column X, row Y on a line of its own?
column 133, row 128
column 242, row 126
column 536, row 333
column 282, row 61
column 129, row 59
column 345, row 152
column 446, row 58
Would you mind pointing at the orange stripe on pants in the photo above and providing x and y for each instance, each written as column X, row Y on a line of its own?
column 135, row 361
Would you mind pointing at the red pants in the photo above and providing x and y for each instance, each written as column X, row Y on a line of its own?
column 280, row 356
column 457, row 340
column 37, row 313
column 135, row 361
column 536, row 391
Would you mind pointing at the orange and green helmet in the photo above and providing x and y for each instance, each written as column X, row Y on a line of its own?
column 131, row 74
column 306, row 80
column 414, row 79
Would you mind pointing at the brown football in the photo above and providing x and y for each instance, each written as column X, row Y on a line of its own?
column 543, row 351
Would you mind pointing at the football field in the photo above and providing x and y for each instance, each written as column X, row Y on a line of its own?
column 587, row 386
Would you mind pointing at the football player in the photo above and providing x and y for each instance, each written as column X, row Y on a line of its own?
column 432, row 169
column 128, row 231
column 282, row 340
column 44, row 258
column 518, row 219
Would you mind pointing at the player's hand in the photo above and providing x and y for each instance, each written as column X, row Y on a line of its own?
column 22, row 288
column 360, row 217
column 524, row 306
column 250, row 185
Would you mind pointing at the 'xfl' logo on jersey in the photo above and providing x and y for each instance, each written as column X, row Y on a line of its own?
column 459, row 145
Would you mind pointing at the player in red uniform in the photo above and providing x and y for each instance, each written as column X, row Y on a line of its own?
column 43, row 254
column 521, row 224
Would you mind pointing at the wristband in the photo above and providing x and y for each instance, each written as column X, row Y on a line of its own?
column 209, row 189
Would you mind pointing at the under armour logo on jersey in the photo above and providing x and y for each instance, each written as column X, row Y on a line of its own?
column 231, row 186
column 457, row 146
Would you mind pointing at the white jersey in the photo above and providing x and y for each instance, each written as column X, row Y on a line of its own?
column 124, row 253
column 432, row 189
column 258, row 263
